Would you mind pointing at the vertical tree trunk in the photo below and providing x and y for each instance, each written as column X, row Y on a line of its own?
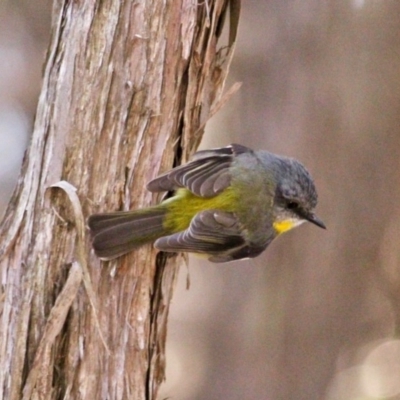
column 127, row 89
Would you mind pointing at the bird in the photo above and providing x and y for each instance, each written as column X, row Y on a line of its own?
column 228, row 204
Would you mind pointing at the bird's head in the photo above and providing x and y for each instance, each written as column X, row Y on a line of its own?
column 295, row 196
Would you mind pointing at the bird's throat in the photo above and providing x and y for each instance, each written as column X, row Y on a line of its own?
column 286, row 225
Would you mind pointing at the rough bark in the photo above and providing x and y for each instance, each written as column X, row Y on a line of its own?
column 128, row 87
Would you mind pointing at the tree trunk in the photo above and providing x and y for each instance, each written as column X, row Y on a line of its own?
column 128, row 87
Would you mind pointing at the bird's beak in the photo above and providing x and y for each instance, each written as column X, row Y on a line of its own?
column 315, row 220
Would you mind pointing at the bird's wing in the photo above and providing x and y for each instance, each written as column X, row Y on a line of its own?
column 215, row 233
column 206, row 175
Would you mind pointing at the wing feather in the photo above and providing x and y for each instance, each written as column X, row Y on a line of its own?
column 211, row 232
column 206, row 175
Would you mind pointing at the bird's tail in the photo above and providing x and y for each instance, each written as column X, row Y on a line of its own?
column 117, row 233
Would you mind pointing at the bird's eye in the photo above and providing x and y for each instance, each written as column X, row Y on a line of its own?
column 292, row 205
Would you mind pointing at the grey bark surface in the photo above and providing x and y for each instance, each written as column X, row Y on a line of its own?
column 127, row 89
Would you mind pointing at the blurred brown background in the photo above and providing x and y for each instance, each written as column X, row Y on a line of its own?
column 314, row 317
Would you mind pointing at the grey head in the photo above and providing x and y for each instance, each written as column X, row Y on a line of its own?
column 295, row 197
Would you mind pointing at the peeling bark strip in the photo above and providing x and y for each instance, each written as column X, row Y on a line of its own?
column 128, row 87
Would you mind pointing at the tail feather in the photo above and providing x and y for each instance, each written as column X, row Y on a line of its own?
column 115, row 234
